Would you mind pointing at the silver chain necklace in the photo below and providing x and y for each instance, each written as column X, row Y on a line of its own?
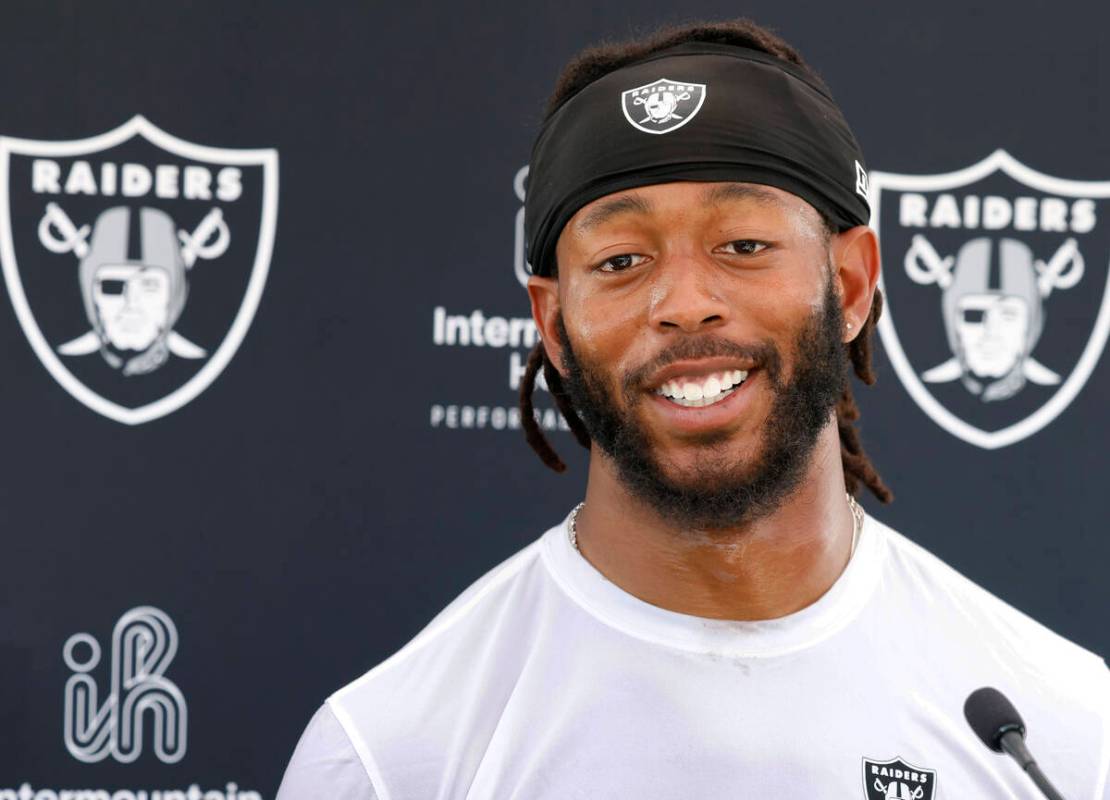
column 856, row 508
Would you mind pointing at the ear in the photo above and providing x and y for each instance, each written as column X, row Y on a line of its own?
column 855, row 255
column 544, row 294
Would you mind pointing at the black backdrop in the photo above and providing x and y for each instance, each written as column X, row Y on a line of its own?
column 312, row 508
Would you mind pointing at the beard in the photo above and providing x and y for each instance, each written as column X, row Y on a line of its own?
column 720, row 491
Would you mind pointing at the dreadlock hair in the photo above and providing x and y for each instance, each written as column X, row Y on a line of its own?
column 585, row 68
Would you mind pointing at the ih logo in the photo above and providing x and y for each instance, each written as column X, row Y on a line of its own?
column 144, row 643
column 995, row 279
column 662, row 106
column 897, row 780
column 135, row 261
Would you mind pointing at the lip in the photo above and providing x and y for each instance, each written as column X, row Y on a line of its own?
column 698, row 369
column 693, row 421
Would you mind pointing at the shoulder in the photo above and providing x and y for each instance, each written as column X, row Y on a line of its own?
column 972, row 638
column 467, row 618
column 326, row 757
column 404, row 717
column 961, row 605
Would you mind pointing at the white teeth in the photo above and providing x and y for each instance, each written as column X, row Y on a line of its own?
column 708, row 390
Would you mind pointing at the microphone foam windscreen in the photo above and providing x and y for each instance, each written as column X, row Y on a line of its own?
column 990, row 714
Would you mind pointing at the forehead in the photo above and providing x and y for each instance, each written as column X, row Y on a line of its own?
column 665, row 198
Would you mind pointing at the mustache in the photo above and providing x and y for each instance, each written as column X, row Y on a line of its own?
column 764, row 354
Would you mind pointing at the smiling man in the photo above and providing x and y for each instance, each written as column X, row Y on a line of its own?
column 718, row 618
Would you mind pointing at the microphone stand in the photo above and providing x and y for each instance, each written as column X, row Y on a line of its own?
column 1013, row 744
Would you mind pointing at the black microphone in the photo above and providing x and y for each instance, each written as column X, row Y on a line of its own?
column 995, row 720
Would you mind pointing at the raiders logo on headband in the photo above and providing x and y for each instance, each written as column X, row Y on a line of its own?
column 663, row 105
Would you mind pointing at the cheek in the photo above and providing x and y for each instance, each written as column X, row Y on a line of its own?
column 608, row 334
column 607, row 341
column 775, row 308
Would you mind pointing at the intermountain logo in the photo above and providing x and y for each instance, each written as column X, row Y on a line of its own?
column 144, row 643
column 897, row 779
column 662, row 106
column 997, row 301
column 135, row 261
column 478, row 330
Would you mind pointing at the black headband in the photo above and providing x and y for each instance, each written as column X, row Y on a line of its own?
column 693, row 112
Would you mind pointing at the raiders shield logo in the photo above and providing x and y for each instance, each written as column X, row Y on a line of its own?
column 662, row 106
column 997, row 303
column 135, row 261
column 897, row 779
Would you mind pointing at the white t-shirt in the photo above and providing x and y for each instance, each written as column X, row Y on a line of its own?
column 546, row 681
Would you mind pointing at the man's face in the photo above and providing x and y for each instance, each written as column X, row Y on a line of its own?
column 669, row 296
column 132, row 303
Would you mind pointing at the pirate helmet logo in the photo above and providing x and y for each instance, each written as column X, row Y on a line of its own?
column 160, row 341
column 1002, row 246
column 992, row 326
column 663, row 105
column 133, row 303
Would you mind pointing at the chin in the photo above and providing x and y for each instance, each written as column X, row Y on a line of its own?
column 707, row 465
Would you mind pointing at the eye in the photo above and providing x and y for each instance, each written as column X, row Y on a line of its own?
column 620, row 262
column 745, row 247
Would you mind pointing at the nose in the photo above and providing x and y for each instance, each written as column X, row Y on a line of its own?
column 685, row 297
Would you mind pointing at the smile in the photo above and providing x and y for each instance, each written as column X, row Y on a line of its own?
column 704, row 390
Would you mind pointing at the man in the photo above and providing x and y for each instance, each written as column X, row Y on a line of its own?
column 719, row 618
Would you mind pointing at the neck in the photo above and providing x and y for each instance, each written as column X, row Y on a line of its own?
column 768, row 568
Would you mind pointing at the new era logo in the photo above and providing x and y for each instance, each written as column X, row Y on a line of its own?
column 861, row 181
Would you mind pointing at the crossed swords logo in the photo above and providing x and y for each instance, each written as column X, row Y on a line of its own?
column 59, row 234
column 925, row 266
column 893, row 788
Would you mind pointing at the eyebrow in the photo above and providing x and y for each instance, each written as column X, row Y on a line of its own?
column 740, row 191
column 607, row 209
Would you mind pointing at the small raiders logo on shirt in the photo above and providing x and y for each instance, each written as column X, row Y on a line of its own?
column 897, row 779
